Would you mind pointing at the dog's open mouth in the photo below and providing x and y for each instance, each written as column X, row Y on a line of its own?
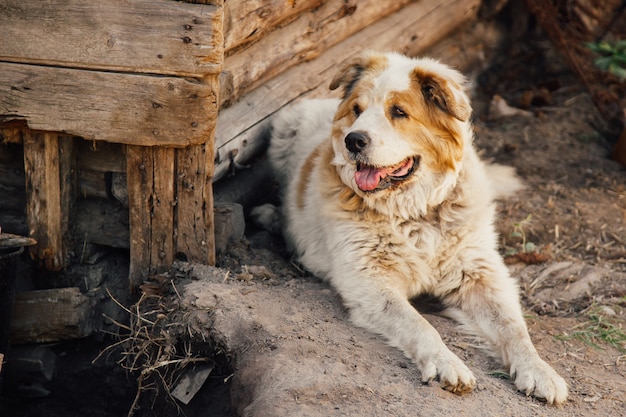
column 370, row 178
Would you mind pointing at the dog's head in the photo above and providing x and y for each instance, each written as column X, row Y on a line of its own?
column 400, row 119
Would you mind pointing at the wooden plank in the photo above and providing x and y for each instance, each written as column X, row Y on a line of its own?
column 68, row 181
column 300, row 41
column 144, row 36
column 247, row 21
column 410, row 30
column 46, row 196
column 150, row 179
column 140, row 169
column 195, row 236
column 162, row 209
column 8, row 240
column 133, row 109
column 51, row 315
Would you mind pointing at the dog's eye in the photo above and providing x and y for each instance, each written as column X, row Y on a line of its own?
column 398, row 112
column 357, row 110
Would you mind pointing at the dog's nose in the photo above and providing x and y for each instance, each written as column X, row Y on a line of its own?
column 357, row 141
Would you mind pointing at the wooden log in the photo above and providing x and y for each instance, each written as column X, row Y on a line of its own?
column 195, row 222
column 300, row 41
column 410, row 30
column 141, row 36
column 48, row 194
column 123, row 108
column 247, row 21
column 51, row 315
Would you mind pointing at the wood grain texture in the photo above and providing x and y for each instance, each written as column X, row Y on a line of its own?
column 162, row 205
column 47, row 197
column 300, row 41
column 412, row 29
column 194, row 195
column 139, row 36
column 247, row 21
column 140, row 163
column 123, row 108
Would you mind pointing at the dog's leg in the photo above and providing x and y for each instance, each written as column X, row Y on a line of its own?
column 489, row 303
column 384, row 311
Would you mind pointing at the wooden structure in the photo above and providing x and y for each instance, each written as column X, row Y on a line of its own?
column 117, row 116
column 142, row 73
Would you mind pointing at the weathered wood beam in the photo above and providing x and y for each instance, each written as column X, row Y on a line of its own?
column 49, row 192
column 302, row 40
column 138, row 36
column 170, row 207
column 150, row 179
column 51, row 315
column 246, row 21
column 410, row 30
column 123, row 108
column 194, row 206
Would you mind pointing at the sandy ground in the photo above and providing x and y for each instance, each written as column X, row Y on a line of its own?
column 294, row 352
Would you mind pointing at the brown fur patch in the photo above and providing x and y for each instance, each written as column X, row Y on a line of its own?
column 305, row 177
column 441, row 136
column 437, row 91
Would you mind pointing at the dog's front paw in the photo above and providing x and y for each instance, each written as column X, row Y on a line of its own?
column 453, row 375
column 537, row 378
column 267, row 217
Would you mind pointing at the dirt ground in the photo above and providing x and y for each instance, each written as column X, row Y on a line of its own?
column 281, row 341
column 564, row 238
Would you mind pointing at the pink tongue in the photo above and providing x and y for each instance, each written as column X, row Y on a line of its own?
column 368, row 178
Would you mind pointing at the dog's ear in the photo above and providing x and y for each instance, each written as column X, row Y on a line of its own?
column 447, row 95
column 348, row 75
column 352, row 71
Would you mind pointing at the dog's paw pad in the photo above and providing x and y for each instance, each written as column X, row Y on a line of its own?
column 540, row 380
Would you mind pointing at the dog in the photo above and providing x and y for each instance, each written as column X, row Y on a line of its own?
column 385, row 196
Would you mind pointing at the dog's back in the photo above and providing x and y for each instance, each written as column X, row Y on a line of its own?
column 296, row 131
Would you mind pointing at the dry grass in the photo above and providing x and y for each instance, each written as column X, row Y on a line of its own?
column 148, row 347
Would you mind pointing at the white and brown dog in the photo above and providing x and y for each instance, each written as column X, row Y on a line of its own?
column 386, row 198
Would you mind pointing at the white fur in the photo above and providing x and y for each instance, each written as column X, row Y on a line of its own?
column 433, row 234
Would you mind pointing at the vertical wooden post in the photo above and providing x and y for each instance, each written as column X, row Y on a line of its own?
column 195, row 237
column 49, row 167
column 151, row 202
column 170, row 198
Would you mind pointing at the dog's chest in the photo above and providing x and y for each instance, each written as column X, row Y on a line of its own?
column 422, row 237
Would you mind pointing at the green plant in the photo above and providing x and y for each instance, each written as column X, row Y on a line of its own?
column 519, row 232
column 599, row 329
column 613, row 57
